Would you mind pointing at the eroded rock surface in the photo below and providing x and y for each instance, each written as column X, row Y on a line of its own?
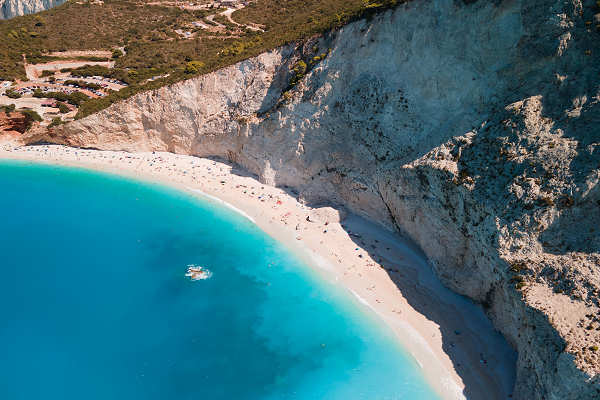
column 15, row 8
column 13, row 124
column 470, row 126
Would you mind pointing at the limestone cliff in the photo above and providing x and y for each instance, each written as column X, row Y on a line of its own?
column 470, row 126
column 14, row 8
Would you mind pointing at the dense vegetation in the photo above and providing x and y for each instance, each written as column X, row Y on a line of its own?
column 289, row 20
column 152, row 48
column 75, row 98
column 147, row 31
column 12, row 94
column 82, row 84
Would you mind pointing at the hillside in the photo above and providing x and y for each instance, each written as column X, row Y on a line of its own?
column 158, row 43
column 470, row 127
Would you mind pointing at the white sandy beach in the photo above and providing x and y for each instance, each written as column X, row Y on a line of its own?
column 448, row 336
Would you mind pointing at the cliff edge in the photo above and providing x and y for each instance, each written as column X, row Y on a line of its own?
column 470, row 126
column 14, row 8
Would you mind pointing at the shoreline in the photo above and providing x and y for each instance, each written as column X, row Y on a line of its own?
column 448, row 336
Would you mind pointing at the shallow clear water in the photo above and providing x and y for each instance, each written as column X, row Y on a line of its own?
column 94, row 303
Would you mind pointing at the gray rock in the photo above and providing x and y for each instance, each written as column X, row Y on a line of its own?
column 13, row 8
column 474, row 129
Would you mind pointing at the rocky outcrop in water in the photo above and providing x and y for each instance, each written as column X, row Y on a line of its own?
column 14, row 8
column 470, row 126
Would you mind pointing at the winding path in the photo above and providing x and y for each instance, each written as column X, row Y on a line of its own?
column 227, row 13
column 219, row 26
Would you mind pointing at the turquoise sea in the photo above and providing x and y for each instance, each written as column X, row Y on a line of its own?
column 94, row 303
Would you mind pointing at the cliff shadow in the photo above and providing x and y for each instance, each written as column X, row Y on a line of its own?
column 468, row 337
column 577, row 227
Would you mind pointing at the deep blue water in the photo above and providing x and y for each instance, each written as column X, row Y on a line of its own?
column 94, row 303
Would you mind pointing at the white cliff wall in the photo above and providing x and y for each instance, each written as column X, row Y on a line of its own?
column 471, row 128
column 14, row 8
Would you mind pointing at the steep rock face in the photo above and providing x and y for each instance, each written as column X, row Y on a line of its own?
column 471, row 127
column 14, row 8
column 13, row 123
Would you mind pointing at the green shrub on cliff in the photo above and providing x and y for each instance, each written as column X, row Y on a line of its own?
column 55, row 122
column 8, row 109
column 299, row 71
column 63, row 108
column 193, row 67
column 30, row 117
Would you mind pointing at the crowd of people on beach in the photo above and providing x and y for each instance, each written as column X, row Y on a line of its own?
column 361, row 258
